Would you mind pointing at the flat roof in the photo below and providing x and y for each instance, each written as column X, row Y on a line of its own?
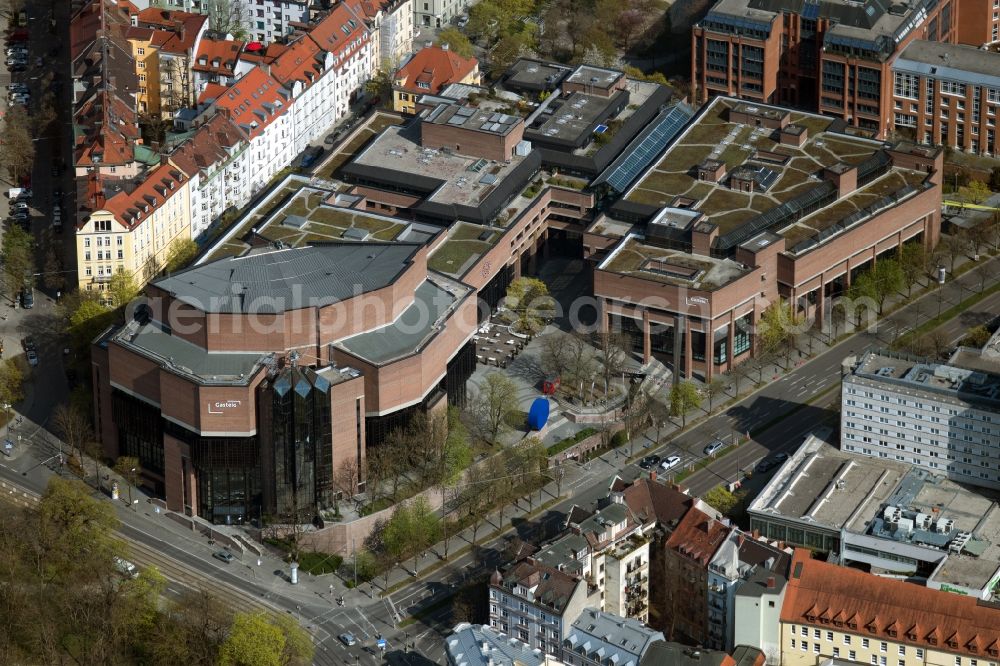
column 568, row 118
column 912, row 375
column 806, row 487
column 188, row 359
column 473, row 119
column 953, row 62
column 535, row 74
column 432, row 304
column 466, row 242
column 465, row 180
column 789, row 173
column 276, row 280
column 634, row 256
column 598, row 77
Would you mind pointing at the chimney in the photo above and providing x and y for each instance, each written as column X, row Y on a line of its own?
column 652, row 475
column 428, row 44
column 771, row 583
column 444, row 46
column 756, row 534
column 740, row 539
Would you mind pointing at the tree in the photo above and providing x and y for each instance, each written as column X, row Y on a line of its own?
column 87, row 318
column 52, row 276
column 951, row 247
column 721, row 500
column 995, row 179
column 887, row 278
column 530, row 304
column 191, row 631
column 977, row 192
column 365, row 565
column 228, row 17
column 684, row 396
column 614, row 347
column 496, row 400
column 380, row 86
column 977, row 336
column 73, row 426
column 257, row 639
column 18, row 258
column 556, row 353
column 180, row 253
column 456, row 41
column 123, row 288
column 713, row 389
column 129, row 468
column 17, row 148
column 913, row 263
column 777, row 329
column 739, row 372
column 11, row 381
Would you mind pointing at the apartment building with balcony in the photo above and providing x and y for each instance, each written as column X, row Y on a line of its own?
column 947, row 94
column 173, row 38
column 739, row 558
column 391, row 26
column 831, row 57
column 598, row 638
column 216, row 62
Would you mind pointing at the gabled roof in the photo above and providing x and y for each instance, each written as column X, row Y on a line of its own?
column 177, row 36
column 254, row 101
column 654, row 502
column 206, row 148
column 132, row 208
column 211, row 93
column 434, row 66
column 218, row 56
column 546, row 586
column 876, row 606
column 697, row 536
column 341, row 27
column 301, row 62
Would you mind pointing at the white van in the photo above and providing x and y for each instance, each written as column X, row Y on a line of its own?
column 125, row 567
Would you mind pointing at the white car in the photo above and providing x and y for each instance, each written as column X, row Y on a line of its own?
column 670, row 462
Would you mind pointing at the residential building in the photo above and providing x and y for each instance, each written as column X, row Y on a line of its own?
column 847, row 615
column 217, row 157
column 947, row 94
column 831, row 57
column 427, row 72
column 537, row 604
column 686, row 554
column 215, row 63
column 882, row 514
column 739, row 558
column 757, row 611
column 391, row 26
column 147, row 69
column 935, row 416
column 248, row 385
column 133, row 230
column 258, row 104
column 686, row 268
column 174, row 38
column 675, row 654
column 438, row 13
column 479, row 645
column 264, row 21
column 597, row 638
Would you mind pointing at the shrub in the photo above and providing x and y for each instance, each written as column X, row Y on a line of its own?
column 564, row 444
column 618, row 439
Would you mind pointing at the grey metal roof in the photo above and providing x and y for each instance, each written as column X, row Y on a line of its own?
column 405, row 335
column 479, row 645
column 952, row 62
column 608, row 638
column 186, row 358
column 288, row 279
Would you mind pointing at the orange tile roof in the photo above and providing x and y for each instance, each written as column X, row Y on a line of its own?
column 176, row 31
column 254, row 101
column 697, row 536
column 211, row 92
column 300, row 62
column 338, row 30
column 853, row 601
column 207, row 146
column 132, row 208
column 434, row 66
column 217, row 56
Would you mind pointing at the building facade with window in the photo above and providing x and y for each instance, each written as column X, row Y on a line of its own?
column 133, row 230
column 979, row 22
column 831, row 57
column 939, row 417
column 597, row 638
column 427, row 72
column 947, row 94
column 437, row 13
column 839, row 613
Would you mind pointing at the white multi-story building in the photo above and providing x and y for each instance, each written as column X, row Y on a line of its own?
column 939, row 417
column 738, row 558
column 264, row 21
column 391, row 25
column 438, row 13
column 323, row 71
column 217, row 156
column 258, row 105
column 757, row 612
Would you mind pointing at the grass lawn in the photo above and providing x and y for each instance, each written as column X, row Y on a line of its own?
column 814, row 125
column 319, row 563
column 451, row 256
column 685, row 156
column 722, row 201
column 466, row 231
column 372, row 224
column 626, row 260
column 734, row 155
column 326, row 215
column 731, row 220
column 346, row 152
column 389, row 233
column 669, row 183
column 649, row 197
column 790, row 178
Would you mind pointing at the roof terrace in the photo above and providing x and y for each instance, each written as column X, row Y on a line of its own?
column 636, row 257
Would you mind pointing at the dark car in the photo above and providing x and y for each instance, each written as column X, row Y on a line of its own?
column 310, row 156
column 29, row 344
column 27, row 298
column 649, row 462
column 765, row 465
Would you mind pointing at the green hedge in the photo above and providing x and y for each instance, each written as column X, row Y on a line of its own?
column 564, row 444
column 619, row 439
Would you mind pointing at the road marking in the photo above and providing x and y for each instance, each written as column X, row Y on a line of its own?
column 365, row 619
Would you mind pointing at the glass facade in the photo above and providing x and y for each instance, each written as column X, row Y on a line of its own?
column 140, row 431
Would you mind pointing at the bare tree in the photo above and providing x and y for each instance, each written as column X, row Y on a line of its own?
column 714, row 389
column 73, row 425
column 228, row 17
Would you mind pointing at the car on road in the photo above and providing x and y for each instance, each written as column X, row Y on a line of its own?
column 670, row 462
column 348, row 639
column 462, row 21
column 649, row 462
column 125, row 568
column 765, row 465
column 29, row 344
column 223, row 555
column 714, row 447
column 32, row 358
column 309, row 156
column 780, row 457
column 28, row 298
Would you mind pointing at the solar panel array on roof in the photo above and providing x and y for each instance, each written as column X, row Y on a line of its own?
column 646, row 147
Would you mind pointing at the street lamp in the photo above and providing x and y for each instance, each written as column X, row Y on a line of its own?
column 131, row 480
column 942, row 276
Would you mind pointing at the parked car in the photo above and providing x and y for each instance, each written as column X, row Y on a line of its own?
column 28, row 343
column 670, row 463
column 27, row 298
column 18, row 193
column 348, row 639
column 309, row 156
column 32, row 358
column 649, row 462
column 223, row 555
column 462, row 21
column 714, row 447
column 765, row 465
column 20, row 206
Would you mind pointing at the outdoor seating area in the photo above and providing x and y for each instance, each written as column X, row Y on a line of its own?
column 497, row 344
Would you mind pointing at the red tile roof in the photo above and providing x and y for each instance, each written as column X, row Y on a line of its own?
column 300, row 62
column 176, row 31
column 211, row 92
column 435, row 67
column 339, row 30
column 218, row 56
column 697, row 536
column 207, row 146
column 654, row 502
column 254, row 101
column 132, row 208
column 853, row 601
